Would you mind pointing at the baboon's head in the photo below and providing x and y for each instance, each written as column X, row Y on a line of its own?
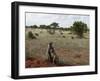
column 50, row 44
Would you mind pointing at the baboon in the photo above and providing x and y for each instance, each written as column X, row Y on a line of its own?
column 52, row 57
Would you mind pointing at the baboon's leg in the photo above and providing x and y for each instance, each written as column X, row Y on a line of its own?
column 50, row 57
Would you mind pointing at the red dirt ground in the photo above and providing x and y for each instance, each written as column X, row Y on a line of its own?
column 38, row 62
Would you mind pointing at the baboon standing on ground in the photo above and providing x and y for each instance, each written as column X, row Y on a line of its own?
column 51, row 53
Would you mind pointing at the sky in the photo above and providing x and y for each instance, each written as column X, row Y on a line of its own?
column 64, row 20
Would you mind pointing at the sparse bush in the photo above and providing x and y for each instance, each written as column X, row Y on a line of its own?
column 63, row 36
column 63, row 63
column 61, row 33
column 36, row 34
column 41, row 32
column 72, row 37
column 70, row 33
column 31, row 35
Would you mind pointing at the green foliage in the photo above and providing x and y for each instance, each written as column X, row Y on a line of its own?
column 79, row 28
column 53, row 27
column 33, row 26
column 36, row 34
column 43, row 26
column 31, row 36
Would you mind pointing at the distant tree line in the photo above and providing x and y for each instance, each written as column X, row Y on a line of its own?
column 53, row 25
column 78, row 28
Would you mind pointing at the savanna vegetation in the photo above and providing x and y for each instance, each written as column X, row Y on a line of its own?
column 71, row 45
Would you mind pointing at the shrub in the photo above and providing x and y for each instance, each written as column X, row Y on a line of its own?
column 72, row 37
column 61, row 33
column 41, row 31
column 63, row 36
column 31, row 35
column 69, row 33
column 79, row 28
column 36, row 34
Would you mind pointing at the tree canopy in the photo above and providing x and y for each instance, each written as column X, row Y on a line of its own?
column 79, row 28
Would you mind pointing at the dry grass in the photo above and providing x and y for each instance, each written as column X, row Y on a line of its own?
column 71, row 52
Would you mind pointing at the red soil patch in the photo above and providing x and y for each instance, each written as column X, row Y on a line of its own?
column 37, row 62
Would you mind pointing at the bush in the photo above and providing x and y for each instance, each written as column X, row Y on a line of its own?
column 69, row 33
column 63, row 36
column 72, row 37
column 61, row 33
column 79, row 28
column 31, row 35
column 36, row 34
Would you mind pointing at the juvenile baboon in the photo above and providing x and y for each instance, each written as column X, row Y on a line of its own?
column 52, row 57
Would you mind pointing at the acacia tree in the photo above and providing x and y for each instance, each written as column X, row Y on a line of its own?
column 79, row 28
column 53, row 27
